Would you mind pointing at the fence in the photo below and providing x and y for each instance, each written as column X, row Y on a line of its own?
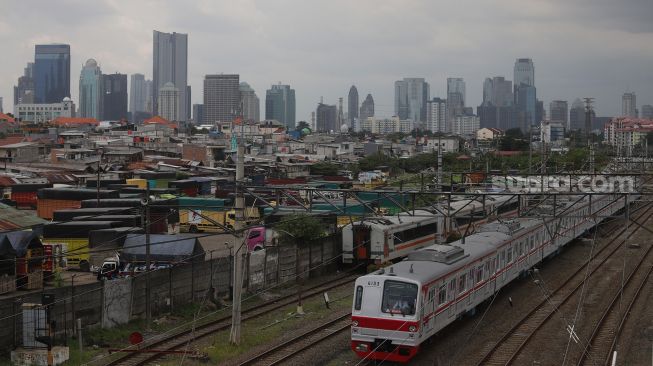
column 114, row 302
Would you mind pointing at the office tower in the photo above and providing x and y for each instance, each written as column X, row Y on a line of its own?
column 280, row 105
column 465, row 126
column 51, row 73
column 352, row 105
column 140, row 94
column 540, row 112
column 170, row 65
column 169, row 101
column 525, row 94
column 188, row 103
column 559, row 112
column 149, row 97
column 24, row 90
column 221, row 98
column 497, row 107
column 367, row 108
column 326, row 118
column 1, row 109
column 198, row 113
column 629, row 105
column 114, row 100
column 455, row 100
column 647, row 111
column 411, row 95
column 340, row 119
column 577, row 115
column 250, row 104
column 91, row 92
column 436, row 115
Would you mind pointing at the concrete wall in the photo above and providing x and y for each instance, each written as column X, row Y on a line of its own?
column 114, row 302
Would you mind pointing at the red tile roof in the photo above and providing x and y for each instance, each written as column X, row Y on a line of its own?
column 10, row 140
column 71, row 121
column 6, row 118
column 158, row 120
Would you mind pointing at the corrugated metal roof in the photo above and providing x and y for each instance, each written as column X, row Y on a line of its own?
column 11, row 218
column 173, row 248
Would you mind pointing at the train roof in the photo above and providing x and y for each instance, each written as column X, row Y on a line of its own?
column 401, row 219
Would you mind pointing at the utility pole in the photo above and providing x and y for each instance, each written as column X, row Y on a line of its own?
column 588, row 119
column 148, row 311
column 234, row 336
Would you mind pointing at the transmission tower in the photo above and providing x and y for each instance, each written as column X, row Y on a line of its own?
column 588, row 119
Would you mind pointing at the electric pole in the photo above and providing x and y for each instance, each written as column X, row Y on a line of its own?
column 588, row 119
column 239, row 251
column 148, row 312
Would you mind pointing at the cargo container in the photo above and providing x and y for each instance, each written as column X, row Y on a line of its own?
column 52, row 199
column 25, row 194
column 46, row 207
column 69, row 214
column 140, row 183
column 207, row 214
column 186, row 187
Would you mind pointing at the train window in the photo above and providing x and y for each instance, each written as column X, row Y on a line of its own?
column 509, row 250
column 399, row 297
column 487, row 268
column 470, row 278
column 521, row 248
column 414, row 233
column 503, row 258
column 359, row 298
column 532, row 243
column 452, row 289
column 442, row 295
column 462, row 283
column 479, row 274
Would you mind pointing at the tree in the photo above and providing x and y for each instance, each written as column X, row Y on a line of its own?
column 324, row 168
column 396, row 136
column 300, row 228
column 302, row 125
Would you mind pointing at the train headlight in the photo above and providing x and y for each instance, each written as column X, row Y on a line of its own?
column 412, row 328
column 362, row 347
column 354, row 323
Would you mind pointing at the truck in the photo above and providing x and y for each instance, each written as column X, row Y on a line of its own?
column 115, row 267
column 210, row 215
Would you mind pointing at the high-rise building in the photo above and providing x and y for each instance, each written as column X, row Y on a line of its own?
column 326, row 118
column 411, row 95
column 189, row 103
column 559, row 112
column 1, row 108
column 114, row 100
column 24, row 90
column 540, row 112
column 280, row 105
column 169, row 101
column 629, row 105
column 577, row 115
column 436, row 115
column 466, row 126
column 525, row 94
column 170, row 65
column 91, row 92
column 221, row 98
column 250, row 104
column 455, row 100
column 198, row 113
column 51, row 73
column 352, row 105
column 647, row 111
column 149, row 97
column 139, row 92
column 496, row 109
column 367, row 108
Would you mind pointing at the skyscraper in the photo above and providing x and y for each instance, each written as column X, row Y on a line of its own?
column 497, row 107
column 367, row 108
column 577, row 115
column 559, row 112
column 169, row 101
column 139, row 92
column 250, row 104
column 411, row 95
column 170, row 65
column 436, row 115
column 352, row 105
column 24, row 90
column 629, row 105
column 51, row 73
column 189, row 103
column 221, row 98
column 455, row 100
column 647, row 111
column 198, row 113
column 525, row 94
column 280, row 105
column 114, row 100
column 326, row 118
column 90, row 90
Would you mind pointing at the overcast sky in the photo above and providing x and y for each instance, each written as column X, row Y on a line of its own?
column 580, row 48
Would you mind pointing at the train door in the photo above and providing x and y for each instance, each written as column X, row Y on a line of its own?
column 362, row 242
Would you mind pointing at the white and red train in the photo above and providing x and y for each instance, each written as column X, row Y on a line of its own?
column 387, row 238
column 397, row 308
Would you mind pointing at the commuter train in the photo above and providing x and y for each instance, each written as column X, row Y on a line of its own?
column 398, row 307
column 387, row 238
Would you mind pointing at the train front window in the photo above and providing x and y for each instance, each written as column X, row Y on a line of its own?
column 399, row 298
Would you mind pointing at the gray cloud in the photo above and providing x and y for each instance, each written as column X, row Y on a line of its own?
column 596, row 48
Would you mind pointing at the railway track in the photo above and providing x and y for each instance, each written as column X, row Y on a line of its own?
column 606, row 332
column 283, row 352
column 510, row 345
column 174, row 341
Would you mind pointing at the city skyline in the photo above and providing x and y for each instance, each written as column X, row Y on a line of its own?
column 597, row 69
